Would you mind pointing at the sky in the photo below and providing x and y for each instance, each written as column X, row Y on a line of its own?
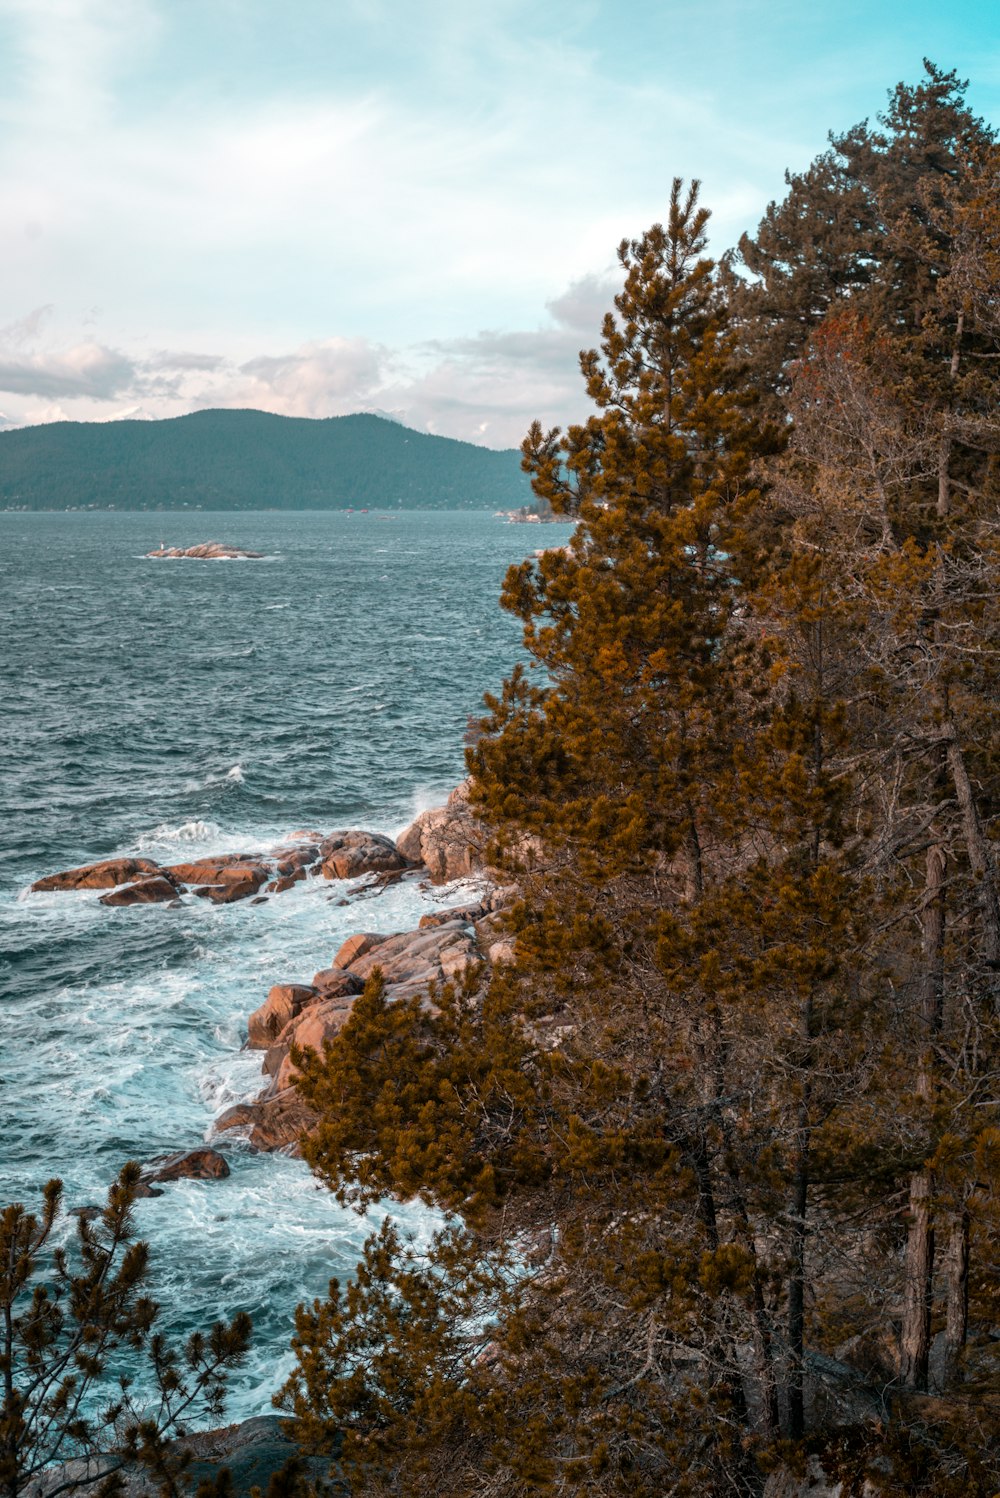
column 403, row 206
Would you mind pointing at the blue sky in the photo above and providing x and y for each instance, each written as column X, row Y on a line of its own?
column 399, row 205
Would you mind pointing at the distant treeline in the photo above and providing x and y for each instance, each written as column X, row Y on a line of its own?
column 251, row 460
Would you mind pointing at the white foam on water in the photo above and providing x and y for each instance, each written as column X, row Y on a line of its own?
column 235, row 776
column 197, row 831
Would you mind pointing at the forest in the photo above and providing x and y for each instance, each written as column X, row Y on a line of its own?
column 719, row 1151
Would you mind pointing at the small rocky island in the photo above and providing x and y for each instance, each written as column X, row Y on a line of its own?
column 207, row 551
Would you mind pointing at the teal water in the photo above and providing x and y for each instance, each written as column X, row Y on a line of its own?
column 182, row 708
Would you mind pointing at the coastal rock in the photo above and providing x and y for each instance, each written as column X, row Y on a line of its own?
column 316, row 1025
column 348, row 855
column 357, row 946
column 465, row 913
column 276, row 1124
column 106, row 875
column 225, row 868
column 206, row 551
column 284, row 1002
column 413, row 956
column 150, row 891
column 295, row 861
column 202, row 1164
column 227, row 894
column 447, row 840
column 337, row 983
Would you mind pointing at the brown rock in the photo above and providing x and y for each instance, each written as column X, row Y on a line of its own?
column 466, row 913
column 413, row 955
column 448, row 839
column 232, row 889
column 217, row 870
column 145, row 892
column 202, row 1164
column 286, row 882
column 285, row 1002
column 106, row 875
column 295, row 861
column 273, row 1057
column 336, row 982
column 320, row 1023
column 348, row 855
column 357, row 946
column 274, row 1125
column 207, row 551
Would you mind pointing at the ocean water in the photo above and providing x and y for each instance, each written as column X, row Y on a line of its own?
column 179, row 708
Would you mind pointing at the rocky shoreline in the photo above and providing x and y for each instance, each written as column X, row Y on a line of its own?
column 443, row 844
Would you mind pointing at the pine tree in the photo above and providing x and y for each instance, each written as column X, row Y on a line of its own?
column 71, row 1341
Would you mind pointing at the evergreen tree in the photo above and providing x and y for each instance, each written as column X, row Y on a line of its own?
column 70, row 1344
column 705, row 1135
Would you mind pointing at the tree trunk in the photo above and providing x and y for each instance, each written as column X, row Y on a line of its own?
column 977, row 849
column 957, row 1295
column 918, row 1267
column 797, row 1277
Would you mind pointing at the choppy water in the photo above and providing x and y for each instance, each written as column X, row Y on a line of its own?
column 181, row 708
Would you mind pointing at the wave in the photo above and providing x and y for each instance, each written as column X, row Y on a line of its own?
column 187, row 832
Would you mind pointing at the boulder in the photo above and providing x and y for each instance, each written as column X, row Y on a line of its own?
column 106, row 875
column 465, row 913
column 285, row 1002
column 348, row 855
column 202, row 1164
column 448, row 839
column 150, row 891
column 357, row 946
column 295, row 861
column 273, row 1125
column 232, row 890
column 320, row 1023
column 337, row 982
column 286, row 882
column 218, row 870
column 413, row 955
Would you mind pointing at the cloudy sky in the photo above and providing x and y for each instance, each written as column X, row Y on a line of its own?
column 409, row 206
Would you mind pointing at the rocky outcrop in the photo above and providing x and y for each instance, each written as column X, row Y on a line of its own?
column 413, row 964
column 226, row 877
column 251, row 1453
column 447, row 840
column 347, row 855
column 151, row 891
column 206, row 551
column 285, row 1002
column 105, row 875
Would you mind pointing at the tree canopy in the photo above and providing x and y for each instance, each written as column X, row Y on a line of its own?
column 722, row 1143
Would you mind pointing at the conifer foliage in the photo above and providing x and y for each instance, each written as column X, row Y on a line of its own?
column 722, row 1142
column 77, row 1326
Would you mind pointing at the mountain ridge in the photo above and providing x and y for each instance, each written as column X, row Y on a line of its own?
column 243, row 459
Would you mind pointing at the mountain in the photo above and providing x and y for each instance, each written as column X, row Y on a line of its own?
column 251, row 460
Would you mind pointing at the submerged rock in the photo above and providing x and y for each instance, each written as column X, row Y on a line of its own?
column 201, row 1164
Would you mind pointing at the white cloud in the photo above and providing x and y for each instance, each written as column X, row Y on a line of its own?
column 316, row 379
column 87, row 369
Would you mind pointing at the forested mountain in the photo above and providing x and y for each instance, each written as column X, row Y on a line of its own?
column 251, row 460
